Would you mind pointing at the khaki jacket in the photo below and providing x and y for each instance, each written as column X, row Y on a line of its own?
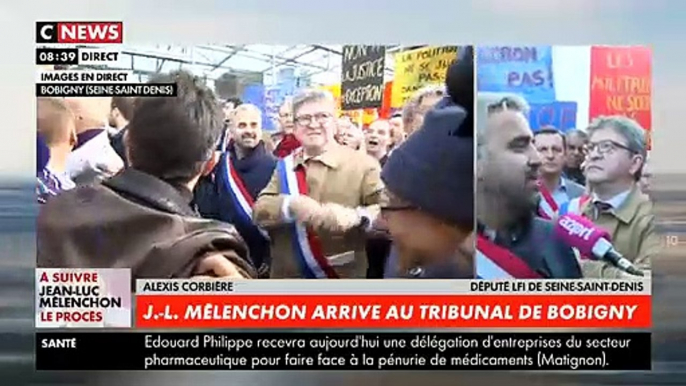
column 340, row 175
column 632, row 227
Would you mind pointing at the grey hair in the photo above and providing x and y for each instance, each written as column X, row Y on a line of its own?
column 489, row 103
column 411, row 106
column 308, row 96
column 629, row 129
column 577, row 133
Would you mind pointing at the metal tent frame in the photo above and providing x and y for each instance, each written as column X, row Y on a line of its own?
column 320, row 63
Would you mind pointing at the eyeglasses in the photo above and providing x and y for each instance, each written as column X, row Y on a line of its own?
column 397, row 208
column 306, row 120
column 606, row 146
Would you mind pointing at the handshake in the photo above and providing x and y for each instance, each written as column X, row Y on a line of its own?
column 329, row 216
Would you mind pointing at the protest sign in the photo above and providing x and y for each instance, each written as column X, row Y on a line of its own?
column 621, row 83
column 335, row 90
column 255, row 94
column 524, row 70
column 362, row 75
column 415, row 69
column 561, row 115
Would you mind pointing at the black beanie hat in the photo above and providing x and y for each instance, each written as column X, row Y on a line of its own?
column 434, row 168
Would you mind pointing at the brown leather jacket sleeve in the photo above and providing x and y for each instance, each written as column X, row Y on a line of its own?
column 179, row 258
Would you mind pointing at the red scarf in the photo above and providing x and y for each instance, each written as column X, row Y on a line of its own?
column 286, row 146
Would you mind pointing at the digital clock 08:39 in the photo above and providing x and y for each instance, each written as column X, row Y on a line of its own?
column 68, row 56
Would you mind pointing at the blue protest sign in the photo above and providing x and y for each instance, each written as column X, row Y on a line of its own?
column 254, row 94
column 561, row 115
column 524, row 70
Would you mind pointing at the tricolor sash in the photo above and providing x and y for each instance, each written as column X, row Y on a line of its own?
column 238, row 192
column 547, row 207
column 494, row 262
column 307, row 247
column 575, row 205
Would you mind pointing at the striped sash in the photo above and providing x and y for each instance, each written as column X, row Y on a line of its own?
column 307, row 246
column 547, row 207
column 239, row 193
column 575, row 205
column 494, row 262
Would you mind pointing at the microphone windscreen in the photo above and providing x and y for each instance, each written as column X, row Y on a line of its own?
column 580, row 233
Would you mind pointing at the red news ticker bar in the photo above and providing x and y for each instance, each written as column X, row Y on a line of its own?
column 170, row 311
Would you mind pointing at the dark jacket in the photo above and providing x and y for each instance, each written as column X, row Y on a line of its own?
column 448, row 270
column 378, row 248
column 576, row 175
column 133, row 220
column 533, row 240
column 117, row 142
column 214, row 200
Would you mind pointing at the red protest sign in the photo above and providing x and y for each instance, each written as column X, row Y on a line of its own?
column 621, row 80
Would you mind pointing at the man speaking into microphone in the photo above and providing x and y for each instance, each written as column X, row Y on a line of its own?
column 513, row 243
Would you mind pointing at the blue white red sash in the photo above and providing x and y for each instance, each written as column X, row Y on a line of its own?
column 307, row 247
column 547, row 207
column 238, row 192
column 575, row 205
column 494, row 262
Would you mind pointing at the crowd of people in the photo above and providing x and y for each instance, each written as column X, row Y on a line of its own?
column 192, row 186
column 528, row 180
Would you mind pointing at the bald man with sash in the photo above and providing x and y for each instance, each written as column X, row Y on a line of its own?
column 243, row 171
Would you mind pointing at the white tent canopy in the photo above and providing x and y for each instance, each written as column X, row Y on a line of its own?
column 321, row 64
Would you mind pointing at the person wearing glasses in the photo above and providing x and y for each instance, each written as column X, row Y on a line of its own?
column 284, row 141
column 429, row 180
column 615, row 157
column 321, row 200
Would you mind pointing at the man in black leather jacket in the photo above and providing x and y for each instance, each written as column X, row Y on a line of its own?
column 507, row 172
column 142, row 218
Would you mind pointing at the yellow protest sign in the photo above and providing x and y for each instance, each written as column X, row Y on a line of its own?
column 335, row 90
column 415, row 69
column 364, row 116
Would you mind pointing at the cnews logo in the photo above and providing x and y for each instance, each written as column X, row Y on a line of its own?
column 85, row 32
column 575, row 228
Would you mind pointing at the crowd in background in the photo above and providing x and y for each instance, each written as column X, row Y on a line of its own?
column 528, row 180
column 192, row 186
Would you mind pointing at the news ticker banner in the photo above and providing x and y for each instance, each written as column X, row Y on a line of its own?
column 273, row 304
column 65, row 297
column 99, row 83
column 344, row 351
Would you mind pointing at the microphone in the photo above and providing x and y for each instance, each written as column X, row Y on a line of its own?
column 582, row 234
